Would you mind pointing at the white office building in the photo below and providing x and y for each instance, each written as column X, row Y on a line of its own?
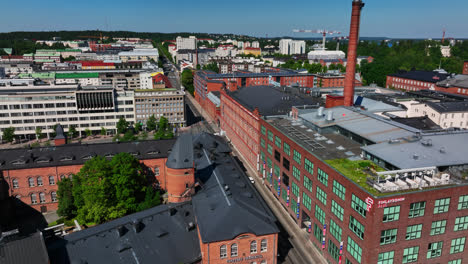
column 186, row 43
column 290, row 47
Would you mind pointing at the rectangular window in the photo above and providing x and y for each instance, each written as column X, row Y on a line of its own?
column 286, row 163
column 321, row 196
column 277, row 171
column 333, row 250
column 388, row 236
column 438, row 227
column 335, row 230
column 295, row 189
column 356, row 227
column 286, row 149
column 297, row 157
column 354, row 249
column 270, row 136
column 461, row 223
column 318, row 233
column 322, row 177
column 337, row 210
column 441, row 205
column 410, row 255
column 284, row 195
column 307, row 183
column 306, row 201
column 463, row 202
column 275, row 185
column 270, row 149
column 458, row 245
column 309, row 166
column 262, row 142
column 277, row 156
column 358, row 205
column 413, row 231
column 386, row 257
column 434, row 250
column 319, row 214
column 391, row 214
column 278, row 142
column 455, row 261
column 269, row 163
column 339, row 189
column 263, row 129
column 417, row 209
column 296, row 173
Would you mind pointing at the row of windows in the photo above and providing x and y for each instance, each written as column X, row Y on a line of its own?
column 42, row 197
column 39, row 181
column 234, row 248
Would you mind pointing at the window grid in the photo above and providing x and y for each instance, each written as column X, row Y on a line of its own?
column 319, row 214
column 309, row 166
column 458, row 245
column 270, row 149
column 297, row 157
column 410, row 255
column 286, row 149
column 318, row 233
column 441, row 205
column 461, row 223
column 413, row 232
column 417, row 209
column 262, row 142
column 322, row 177
column 295, row 189
column 277, row 171
column 263, row 129
column 321, row 196
column 339, row 190
column 296, row 173
column 278, row 142
column 337, row 210
column 284, row 195
column 356, row 227
column 306, row 201
column 234, row 250
column 391, row 214
column 263, row 245
column 386, row 257
column 434, row 249
column 463, row 202
column 438, row 227
column 354, row 249
column 253, row 247
column 333, row 250
column 307, row 183
column 270, row 136
column 223, row 251
column 358, row 205
column 388, row 236
column 455, row 261
column 335, row 230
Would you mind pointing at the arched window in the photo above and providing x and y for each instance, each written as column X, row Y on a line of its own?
column 33, row 198
column 62, row 177
column 53, row 196
column 15, row 184
column 223, row 251
column 253, row 247
column 70, row 176
column 156, row 171
column 42, row 197
column 264, row 245
column 51, row 180
column 234, row 250
column 31, row 182
column 39, row 181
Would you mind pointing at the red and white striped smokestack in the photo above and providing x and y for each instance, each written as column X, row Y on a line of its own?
column 352, row 53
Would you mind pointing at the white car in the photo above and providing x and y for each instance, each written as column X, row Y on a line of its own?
column 252, row 180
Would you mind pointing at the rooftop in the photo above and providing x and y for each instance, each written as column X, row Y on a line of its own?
column 76, row 75
column 272, row 100
column 23, row 250
column 448, row 107
column 143, row 237
column 424, row 76
column 460, row 81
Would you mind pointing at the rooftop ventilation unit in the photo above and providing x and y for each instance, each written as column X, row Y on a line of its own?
column 330, row 116
column 320, row 111
column 426, row 142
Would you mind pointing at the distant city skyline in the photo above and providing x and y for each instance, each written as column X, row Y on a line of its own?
column 393, row 19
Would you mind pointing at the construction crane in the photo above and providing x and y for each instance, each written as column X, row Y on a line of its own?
column 318, row 31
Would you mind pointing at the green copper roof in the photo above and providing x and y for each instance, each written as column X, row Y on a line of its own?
column 41, row 75
column 77, row 75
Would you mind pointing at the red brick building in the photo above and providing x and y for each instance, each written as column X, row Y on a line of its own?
column 309, row 168
column 457, row 84
column 415, row 80
column 465, row 67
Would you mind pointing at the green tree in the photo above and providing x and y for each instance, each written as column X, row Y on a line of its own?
column 138, row 127
column 54, row 128
column 187, row 80
column 129, row 136
column 122, row 125
column 72, row 131
column 66, row 206
column 8, row 134
column 151, row 123
column 164, row 129
column 211, row 67
column 88, row 132
column 38, row 132
column 103, row 131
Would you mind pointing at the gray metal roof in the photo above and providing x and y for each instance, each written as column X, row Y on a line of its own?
column 72, row 154
column 448, row 107
column 181, row 156
column 215, row 99
column 227, row 205
column 447, row 149
column 162, row 234
column 24, row 250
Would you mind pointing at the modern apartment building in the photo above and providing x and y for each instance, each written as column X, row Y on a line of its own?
column 139, row 55
column 366, row 189
column 290, row 47
column 189, row 43
column 28, row 104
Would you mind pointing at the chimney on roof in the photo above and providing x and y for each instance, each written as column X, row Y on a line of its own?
column 352, row 53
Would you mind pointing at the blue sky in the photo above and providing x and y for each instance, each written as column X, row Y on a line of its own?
column 397, row 18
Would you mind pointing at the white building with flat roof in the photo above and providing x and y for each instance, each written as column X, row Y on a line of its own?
column 189, row 43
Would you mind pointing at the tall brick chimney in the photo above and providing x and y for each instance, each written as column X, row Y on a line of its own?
column 352, row 53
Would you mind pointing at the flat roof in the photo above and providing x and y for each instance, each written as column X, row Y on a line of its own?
column 448, row 107
column 23, row 250
column 425, row 76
